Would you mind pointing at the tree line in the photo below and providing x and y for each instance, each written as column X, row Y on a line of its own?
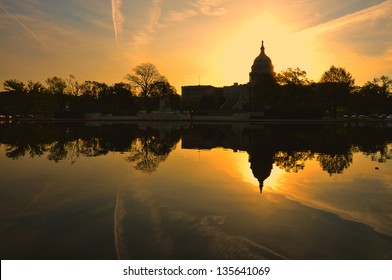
column 68, row 97
column 331, row 145
column 334, row 95
column 290, row 94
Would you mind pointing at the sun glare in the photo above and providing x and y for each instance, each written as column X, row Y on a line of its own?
column 241, row 46
column 243, row 167
column 276, row 178
column 245, row 171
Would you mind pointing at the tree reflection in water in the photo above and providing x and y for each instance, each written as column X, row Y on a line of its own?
column 58, row 151
column 287, row 146
column 152, row 222
column 150, row 149
column 335, row 164
column 292, row 161
column 290, row 146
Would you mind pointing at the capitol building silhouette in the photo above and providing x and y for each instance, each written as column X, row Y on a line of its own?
column 237, row 96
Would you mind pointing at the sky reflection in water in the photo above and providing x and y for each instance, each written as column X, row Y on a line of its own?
column 180, row 192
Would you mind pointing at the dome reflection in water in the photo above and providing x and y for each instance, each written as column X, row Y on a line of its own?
column 179, row 191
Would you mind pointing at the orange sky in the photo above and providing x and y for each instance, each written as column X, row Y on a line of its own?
column 214, row 41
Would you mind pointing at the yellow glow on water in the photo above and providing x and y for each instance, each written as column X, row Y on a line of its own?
column 203, row 195
column 276, row 178
column 239, row 166
column 235, row 165
column 243, row 167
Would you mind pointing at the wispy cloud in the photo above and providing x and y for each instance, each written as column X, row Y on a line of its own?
column 180, row 16
column 363, row 37
column 211, row 7
column 199, row 7
column 383, row 9
column 159, row 19
column 35, row 36
column 366, row 33
column 155, row 14
column 144, row 35
column 118, row 19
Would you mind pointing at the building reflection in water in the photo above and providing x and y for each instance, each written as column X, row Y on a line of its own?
column 181, row 213
column 288, row 146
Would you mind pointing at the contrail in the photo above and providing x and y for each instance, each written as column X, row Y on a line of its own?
column 119, row 213
column 118, row 18
column 25, row 27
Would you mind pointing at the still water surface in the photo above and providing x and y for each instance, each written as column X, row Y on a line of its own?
column 181, row 191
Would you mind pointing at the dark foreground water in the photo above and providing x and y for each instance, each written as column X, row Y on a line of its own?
column 181, row 191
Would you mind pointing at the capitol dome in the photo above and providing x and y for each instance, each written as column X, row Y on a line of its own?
column 262, row 66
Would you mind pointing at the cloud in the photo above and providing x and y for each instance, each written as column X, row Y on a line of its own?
column 180, row 16
column 42, row 43
column 358, row 38
column 381, row 10
column 210, row 7
column 144, row 35
column 159, row 19
column 118, row 19
column 155, row 14
column 141, row 38
column 201, row 7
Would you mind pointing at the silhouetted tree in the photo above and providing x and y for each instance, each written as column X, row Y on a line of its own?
column 22, row 99
column 91, row 92
column 57, row 87
column 35, row 87
column 336, row 83
column 121, row 89
column 374, row 95
column 118, row 100
column 94, row 89
column 296, row 97
column 386, row 85
column 146, row 78
column 163, row 88
column 74, row 87
column 337, row 75
column 292, row 77
column 14, row 86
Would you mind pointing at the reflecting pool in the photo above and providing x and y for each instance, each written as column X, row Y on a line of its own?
column 195, row 191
